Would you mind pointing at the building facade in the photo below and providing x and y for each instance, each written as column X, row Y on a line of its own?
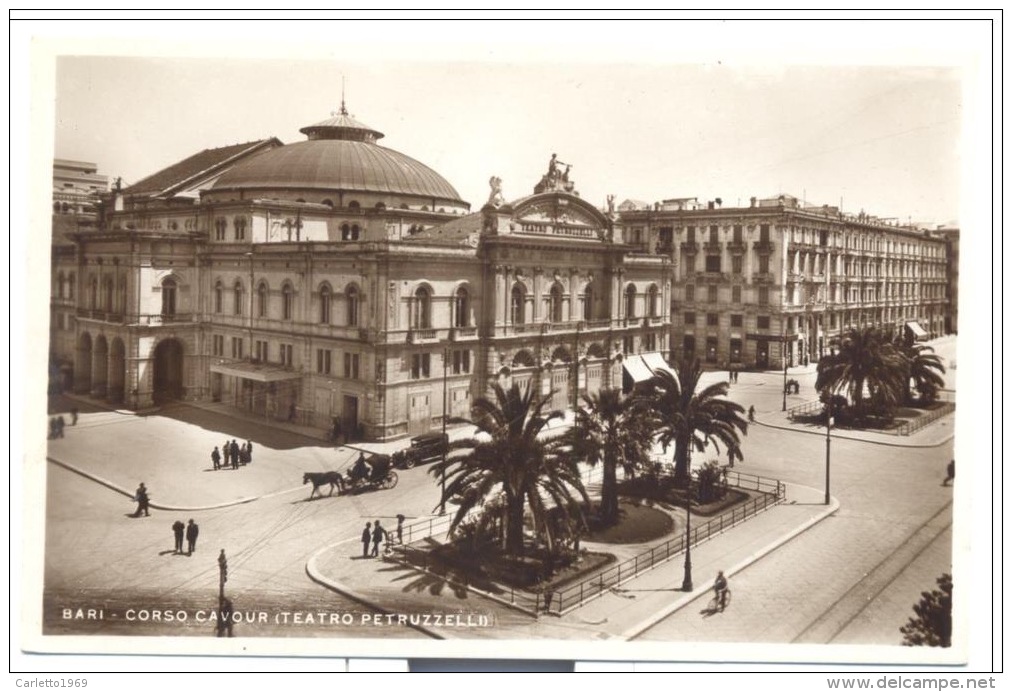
column 336, row 280
column 778, row 282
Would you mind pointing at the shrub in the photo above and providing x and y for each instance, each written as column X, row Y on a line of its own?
column 711, row 483
column 933, row 624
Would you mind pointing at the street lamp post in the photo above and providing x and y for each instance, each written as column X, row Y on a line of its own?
column 829, row 428
column 687, row 579
column 442, row 475
column 783, row 357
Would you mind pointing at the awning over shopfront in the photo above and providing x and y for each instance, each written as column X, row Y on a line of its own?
column 256, row 372
column 917, row 331
column 655, row 361
column 636, row 369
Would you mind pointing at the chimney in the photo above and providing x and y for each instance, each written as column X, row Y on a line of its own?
column 752, row 201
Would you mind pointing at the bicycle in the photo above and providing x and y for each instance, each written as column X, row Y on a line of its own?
column 715, row 602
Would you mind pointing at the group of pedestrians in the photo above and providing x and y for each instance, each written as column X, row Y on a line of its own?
column 191, row 531
column 58, row 423
column 373, row 534
column 732, row 376
column 232, row 455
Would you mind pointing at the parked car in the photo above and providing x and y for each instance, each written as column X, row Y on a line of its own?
column 424, row 449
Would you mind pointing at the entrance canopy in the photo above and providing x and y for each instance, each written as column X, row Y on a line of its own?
column 255, row 371
column 636, row 369
column 917, row 331
column 655, row 361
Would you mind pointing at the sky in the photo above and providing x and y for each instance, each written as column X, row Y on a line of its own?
column 885, row 139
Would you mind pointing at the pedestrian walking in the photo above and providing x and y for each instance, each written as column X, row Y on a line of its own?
column 178, row 528
column 378, row 534
column 141, row 497
column 950, row 473
column 233, row 450
column 192, row 530
column 366, row 538
column 216, row 459
column 226, row 453
column 400, row 529
column 244, row 455
column 751, row 414
column 73, row 416
column 249, row 452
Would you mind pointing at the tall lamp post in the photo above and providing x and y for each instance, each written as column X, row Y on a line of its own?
column 829, row 428
column 687, row 579
column 783, row 357
column 442, row 475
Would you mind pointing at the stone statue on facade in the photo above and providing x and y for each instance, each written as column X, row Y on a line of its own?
column 556, row 178
column 611, row 205
column 495, row 197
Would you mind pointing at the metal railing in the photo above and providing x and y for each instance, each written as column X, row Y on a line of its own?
column 911, row 426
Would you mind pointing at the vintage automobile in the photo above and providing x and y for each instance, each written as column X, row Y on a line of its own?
column 424, row 449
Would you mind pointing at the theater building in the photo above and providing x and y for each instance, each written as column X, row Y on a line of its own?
column 337, row 279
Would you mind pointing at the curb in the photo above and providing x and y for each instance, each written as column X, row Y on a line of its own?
column 642, row 627
column 166, row 508
column 313, row 572
column 844, row 436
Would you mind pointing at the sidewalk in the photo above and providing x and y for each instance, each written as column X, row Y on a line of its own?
column 620, row 614
column 936, row 433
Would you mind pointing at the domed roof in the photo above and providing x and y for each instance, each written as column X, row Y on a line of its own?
column 340, row 154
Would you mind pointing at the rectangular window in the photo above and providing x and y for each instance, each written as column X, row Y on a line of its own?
column 736, row 294
column 690, row 234
column 712, row 319
column 764, row 233
column 219, row 345
column 713, row 263
column 323, row 361
column 237, row 347
column 737, row 234
column 736, row 320
column 713, row 234
column 711, row 294
column 461, row 362
column 737, row 264
column 628, row 345
column 764, row 264
column 764, row 295
column 351, row 366
column 650, row 343
column 260, row 351
column 690, row 318
column 420, row 366
column 690, row 293
column 286, row 355
column 763, row 322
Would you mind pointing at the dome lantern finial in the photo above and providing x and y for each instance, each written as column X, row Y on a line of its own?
column 344, row 111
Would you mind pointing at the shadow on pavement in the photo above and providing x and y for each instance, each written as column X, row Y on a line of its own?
column 235, row 428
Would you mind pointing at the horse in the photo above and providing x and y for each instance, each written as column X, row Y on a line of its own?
column 320, row 479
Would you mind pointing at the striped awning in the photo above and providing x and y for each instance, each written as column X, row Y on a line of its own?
column 655, row 361
column 637, row 369
column 916, row 330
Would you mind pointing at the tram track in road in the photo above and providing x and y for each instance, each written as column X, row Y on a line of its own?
column 835, row 619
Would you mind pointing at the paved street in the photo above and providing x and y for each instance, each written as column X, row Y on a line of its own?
column 852, row 578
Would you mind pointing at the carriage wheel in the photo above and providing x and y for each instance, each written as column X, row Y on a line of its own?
column 390, row 481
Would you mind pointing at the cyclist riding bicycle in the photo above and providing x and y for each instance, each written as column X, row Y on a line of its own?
column 720, row 589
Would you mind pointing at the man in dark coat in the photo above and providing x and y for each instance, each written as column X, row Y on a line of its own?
column 177, row 529
column 249, row 452
column 366, row 538
column 226, row 451
column 216, row 459
column 378, row 533
column 235, row 454
column 141, row 496
column 191, row 537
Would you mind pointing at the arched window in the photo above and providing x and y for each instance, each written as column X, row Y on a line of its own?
column 345, row 232
column 262, row 300
column 93, row 293
column 59, row 284
column 328, row 203
column 219, row 295
column 169, row 296
column 421, row 310
column 555, row 303
column 354, row 231
column 630, row 301
column 237, row 297
column 71, row 285
column 461, row 308
column 287, row 301
column 353, row 205
column 108, row 292
column 325, row 304
column 121, row 308
column 353, row 298
column 588, row 303
column 653, row 301
column 380, row 206
column 517, row 304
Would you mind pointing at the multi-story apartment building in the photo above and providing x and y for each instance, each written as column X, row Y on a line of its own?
column 951, row 238
column 778, row 282
column 338, row 279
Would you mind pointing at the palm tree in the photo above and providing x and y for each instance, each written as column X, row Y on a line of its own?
column 613, row 430
column 864, row 360
column 924, row 370
column 691, row 419
column 510, row 461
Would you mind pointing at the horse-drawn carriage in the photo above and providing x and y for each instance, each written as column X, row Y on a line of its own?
column 374, row 472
